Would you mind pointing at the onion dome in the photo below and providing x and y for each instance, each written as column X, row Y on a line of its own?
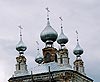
column 48, row 34
column 62, row 39
column 78, row 50
column 38, row 58
column 21, row 46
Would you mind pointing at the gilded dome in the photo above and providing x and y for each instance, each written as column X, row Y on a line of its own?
column 48, row 34
column 62, row 39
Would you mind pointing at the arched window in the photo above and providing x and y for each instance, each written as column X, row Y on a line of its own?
column 55, row 57
column 61, row 60
column 48, row 57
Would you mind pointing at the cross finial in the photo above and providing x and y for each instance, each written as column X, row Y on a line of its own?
column 37, row 45
column 61, row 18
column 61, row 21
column 20, row 32
column 77, row 35
column 47, row 13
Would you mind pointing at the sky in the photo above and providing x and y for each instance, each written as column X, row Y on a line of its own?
column 80, row 15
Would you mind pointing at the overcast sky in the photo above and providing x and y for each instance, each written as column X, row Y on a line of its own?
column 81, row 15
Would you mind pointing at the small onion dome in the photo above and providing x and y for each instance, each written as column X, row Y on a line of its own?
column 62, row 39
column 48, row 34
column 21, row 47
column 78, row 50
column 38, row 59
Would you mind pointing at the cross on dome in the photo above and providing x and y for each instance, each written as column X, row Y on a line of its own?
column 47, row 13
column 21, row 46
column 78, row 50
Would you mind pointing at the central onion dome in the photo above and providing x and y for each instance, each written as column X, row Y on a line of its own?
column 62, row 39
column 48, row 34
column 21, row 47
column 78, row 50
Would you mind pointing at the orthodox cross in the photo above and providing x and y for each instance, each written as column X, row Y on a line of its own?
column 37, row 45
column 61, row 20
column 47, row 12
column 20, row 32
column 77, row 35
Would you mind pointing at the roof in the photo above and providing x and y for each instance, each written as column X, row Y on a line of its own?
column 43, row 68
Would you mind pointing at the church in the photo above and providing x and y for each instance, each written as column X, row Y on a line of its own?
column 54, row 64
